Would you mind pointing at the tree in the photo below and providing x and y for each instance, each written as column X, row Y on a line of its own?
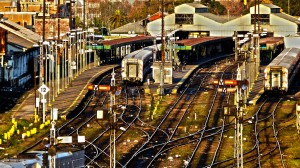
column 216, row 8
column 78, row 22
column 294, row 6
column 234, row 8
column 117, row 19
column 136, row 11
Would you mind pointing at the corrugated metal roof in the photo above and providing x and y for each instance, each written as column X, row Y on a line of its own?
column 213, row 17
column 285, row 57
column 271, row 5
column 195, row 41
column 271, row 40
column 136, row 27
column 12, row 38
column 20, row 31
column 196, row 5
column 126, row 40
column 287, row 17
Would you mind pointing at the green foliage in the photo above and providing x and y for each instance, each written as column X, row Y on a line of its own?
column 205, row 1
column 117, row 19
column 78, row 22
column 97, row 22
column 294, row 6
column 216, row 8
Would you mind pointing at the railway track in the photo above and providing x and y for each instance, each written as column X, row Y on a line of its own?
column 154, row 143
column 167, row 139
column 266, row 150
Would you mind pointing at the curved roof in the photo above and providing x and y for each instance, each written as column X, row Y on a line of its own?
column 142, row 53
column 286, row 57
column 135, row 27
column 196, row 5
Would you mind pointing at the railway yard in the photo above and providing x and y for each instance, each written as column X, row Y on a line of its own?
column 187, row 129
column 190, row 87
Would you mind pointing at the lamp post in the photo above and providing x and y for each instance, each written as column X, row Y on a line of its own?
column 36, row 100
column 46, row 44
column 96, row 60
column 90, row 36
column 75, row 51
column 70, row 57
column 79, row 53
column 52, row 58
column 79, row 60
column 57, row 60
column 84, row 50
column 64, row 65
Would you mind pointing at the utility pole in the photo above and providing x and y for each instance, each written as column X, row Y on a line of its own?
column 161, row 87
column 255, row 15
column 238, row 144
column 113, row 122
column 42, row 54
column 58, row 48
column 236, row 52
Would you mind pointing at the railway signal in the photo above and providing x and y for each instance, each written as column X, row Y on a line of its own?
column 243, row 84
column 226, row 89
column 227, row 82
column 99, row 87
column 114, row 89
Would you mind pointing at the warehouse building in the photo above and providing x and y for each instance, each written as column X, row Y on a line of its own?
column 194, row 20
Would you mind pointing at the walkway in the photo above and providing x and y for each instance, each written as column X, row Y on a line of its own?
column 67, row 100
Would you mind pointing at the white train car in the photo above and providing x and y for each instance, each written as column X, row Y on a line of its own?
column 136, row 64
column 281, row 71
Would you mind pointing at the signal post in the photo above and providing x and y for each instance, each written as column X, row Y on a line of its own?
column 238, row 87
column 114, row 90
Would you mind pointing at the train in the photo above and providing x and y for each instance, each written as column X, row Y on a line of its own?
column 137, row 63
column 279, row 74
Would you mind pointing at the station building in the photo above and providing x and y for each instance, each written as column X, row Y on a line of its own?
column 193, row 20
column 16, row 54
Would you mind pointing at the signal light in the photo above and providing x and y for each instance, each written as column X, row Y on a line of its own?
column 90, row 87
column 104, row 87
column 228, row 82
column 99, row 87
column 225, row 90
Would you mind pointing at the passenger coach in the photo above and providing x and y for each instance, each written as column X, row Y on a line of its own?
column 136, row 64
column 281, row 71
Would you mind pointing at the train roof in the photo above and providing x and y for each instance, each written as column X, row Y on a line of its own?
column 142, row 53
column 286, row 57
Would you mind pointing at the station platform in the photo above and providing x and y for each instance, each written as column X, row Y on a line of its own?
column 257, row 90
column 70, row 98
column 179, row 77
column 67, row 100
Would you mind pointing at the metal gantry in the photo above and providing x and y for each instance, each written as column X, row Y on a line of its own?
column 113, row 122
column 162, row 76
column 238, row 150
column 249, row 46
